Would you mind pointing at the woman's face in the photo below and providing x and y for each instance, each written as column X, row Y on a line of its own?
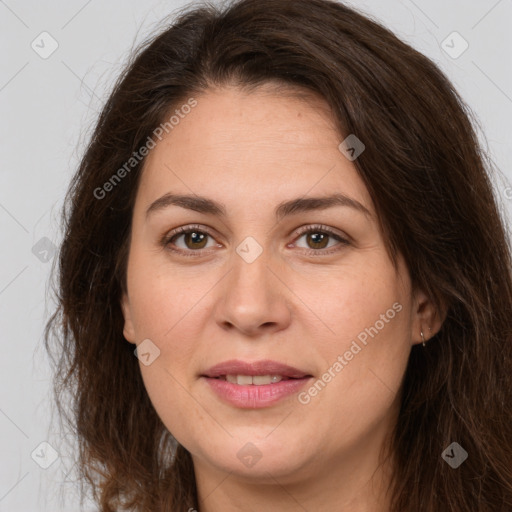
column 248, row 285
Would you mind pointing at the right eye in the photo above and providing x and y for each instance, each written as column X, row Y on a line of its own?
column 194, row 238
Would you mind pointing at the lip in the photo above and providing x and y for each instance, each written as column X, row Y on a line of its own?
column 252, row 396
column 263, row 367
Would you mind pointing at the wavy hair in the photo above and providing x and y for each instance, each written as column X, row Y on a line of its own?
column 430, row 181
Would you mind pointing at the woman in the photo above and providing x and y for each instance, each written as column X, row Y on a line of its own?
column 284, row 213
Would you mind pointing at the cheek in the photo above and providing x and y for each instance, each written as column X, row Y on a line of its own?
column 364, row 300
column 161, row 296
column 165, row 316
column 366, row 353
column 167, row 308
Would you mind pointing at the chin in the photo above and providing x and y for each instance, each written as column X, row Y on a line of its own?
column 258, row 460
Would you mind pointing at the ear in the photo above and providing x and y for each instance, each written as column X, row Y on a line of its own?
column 128, row 330
column 427, row 319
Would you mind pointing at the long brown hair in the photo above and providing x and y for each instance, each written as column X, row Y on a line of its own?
column 428, row 177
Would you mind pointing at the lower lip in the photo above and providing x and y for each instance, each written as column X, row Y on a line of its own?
column 255, row 397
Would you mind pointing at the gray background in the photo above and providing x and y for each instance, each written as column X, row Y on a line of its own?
column 47, row 107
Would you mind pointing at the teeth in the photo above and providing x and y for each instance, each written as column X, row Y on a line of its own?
column 257, row 380
column 243, row 380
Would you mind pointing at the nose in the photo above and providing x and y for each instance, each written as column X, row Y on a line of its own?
column 254, row 298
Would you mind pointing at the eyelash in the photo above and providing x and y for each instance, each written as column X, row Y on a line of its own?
column 316, row 228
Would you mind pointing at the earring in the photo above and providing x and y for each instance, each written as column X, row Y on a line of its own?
column 422, row 338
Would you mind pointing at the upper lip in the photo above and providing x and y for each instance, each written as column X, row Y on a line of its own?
column 263, row 367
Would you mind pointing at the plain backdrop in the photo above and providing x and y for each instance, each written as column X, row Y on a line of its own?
column 48, row 104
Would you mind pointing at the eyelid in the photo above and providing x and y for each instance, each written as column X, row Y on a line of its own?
column 323, row 228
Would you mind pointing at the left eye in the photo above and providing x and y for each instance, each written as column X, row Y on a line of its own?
column 318, row 238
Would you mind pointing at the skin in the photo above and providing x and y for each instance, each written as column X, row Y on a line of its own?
column 251, row 151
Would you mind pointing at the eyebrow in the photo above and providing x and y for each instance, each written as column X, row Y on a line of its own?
column 286, row 208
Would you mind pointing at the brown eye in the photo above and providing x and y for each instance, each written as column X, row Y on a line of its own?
column 317, row 239
column 194, row 240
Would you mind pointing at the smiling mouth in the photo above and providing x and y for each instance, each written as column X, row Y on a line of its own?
column 255, row 380
column 254, row 391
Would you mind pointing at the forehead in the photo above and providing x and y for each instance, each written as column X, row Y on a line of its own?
column 263, row 144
